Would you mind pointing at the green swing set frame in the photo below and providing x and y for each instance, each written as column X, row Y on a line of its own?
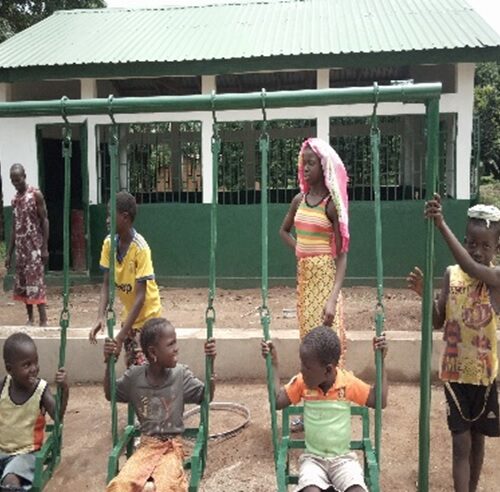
column 196, row 463
column 282, row 447
column 49, row 456
column 371, row 454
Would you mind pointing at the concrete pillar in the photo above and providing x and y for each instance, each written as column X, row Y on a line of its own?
column 88, row 88
column 323, row 119
column 5, row 91
column 208, row 84
column 465, row 110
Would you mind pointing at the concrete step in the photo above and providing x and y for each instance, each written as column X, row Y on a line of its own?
column 238, row 353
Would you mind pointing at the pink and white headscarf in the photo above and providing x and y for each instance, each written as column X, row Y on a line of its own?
column 336, row 180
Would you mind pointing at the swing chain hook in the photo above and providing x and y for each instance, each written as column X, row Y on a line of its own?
column 110, row 108
column 114, row 133
column 212, row 103
column 263, row 95
column 215, row 125
column 64, row 115
column 67, row 124
column 376, row 91
column 374, row 121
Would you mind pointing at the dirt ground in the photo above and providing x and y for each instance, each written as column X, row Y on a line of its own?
column 244, row 463
column 234, row 308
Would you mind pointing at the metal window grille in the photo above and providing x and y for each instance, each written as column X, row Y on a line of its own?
column 402, row 155
column 159, row 162
column 475, row 158
column 239, row 167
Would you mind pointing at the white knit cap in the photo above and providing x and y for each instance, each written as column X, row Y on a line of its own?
column 488, row 213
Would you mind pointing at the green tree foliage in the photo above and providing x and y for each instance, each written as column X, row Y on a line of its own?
column 16, row 16
column 487, row 106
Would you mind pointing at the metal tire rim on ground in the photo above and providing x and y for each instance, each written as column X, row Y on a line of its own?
column 224, row 406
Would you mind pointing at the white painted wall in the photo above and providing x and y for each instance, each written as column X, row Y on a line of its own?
column 18, row 141
column 465, row 103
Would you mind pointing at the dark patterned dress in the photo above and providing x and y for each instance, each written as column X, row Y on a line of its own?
column 29, row 286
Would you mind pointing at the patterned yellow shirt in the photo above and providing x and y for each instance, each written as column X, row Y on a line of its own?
column 135, row 266
column 470, row 352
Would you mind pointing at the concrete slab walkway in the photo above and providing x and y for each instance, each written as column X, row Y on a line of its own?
column 238, row 353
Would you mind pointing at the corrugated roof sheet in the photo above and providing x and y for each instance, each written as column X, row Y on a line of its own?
column 247, row 30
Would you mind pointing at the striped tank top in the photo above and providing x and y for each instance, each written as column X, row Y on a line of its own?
column 21, row 426
column 313, row 229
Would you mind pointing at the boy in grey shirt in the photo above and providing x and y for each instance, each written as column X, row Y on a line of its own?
column 158, row 391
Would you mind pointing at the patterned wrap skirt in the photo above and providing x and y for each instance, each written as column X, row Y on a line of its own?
column 315, row 279
column 161, row 461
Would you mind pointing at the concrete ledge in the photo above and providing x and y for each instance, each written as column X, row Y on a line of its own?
column 238, row 353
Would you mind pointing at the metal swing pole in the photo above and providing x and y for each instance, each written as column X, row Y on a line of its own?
column 111, row 317
column 431, row 163
column 65, row 316
column 379, row 314
column 210, row 312
column 264, row 309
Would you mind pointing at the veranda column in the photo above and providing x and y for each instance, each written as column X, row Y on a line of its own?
column 323, row 118
column 465, row 91
column 88, row 90
column 207, row 86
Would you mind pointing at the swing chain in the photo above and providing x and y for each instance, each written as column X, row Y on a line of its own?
column 265, row 314
column 210, row 311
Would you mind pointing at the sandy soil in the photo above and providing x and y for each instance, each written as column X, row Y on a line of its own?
column 234, row 308
column 244, row 463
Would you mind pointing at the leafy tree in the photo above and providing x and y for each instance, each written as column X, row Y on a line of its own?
column 487, row 106
column 16, row 16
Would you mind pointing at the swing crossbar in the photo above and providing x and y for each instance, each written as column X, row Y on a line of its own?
column 417, row 93
column 364, row 444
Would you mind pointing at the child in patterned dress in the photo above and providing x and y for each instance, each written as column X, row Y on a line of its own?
column 468, row 309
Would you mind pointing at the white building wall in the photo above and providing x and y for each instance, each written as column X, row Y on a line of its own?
column 465, row 103
column 18, row 138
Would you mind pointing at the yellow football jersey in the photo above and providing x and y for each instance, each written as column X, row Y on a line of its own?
column 135, row 266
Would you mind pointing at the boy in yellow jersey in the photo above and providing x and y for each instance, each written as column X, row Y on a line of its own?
column 134, row 281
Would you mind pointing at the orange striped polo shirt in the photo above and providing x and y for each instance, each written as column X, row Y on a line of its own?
column 313, row 229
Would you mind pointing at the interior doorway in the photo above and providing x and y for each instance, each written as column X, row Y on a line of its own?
column 51, row 179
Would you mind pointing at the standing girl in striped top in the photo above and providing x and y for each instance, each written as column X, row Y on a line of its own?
column 319, row 215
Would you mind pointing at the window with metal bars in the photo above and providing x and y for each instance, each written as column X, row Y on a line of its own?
column 239, row 167
column 402, row 155
column 158, row 162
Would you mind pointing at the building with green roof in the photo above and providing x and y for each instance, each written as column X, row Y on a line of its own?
column 165, row 158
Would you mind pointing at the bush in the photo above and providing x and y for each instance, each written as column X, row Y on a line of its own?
column 489, row 191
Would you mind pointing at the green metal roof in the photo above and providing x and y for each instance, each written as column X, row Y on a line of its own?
column 250, row 36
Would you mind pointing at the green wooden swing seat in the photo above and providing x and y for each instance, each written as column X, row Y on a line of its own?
column 364, row 444
column 46, row 459
column 195, row 463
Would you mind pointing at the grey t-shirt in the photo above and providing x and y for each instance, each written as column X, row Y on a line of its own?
column 160, row 408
